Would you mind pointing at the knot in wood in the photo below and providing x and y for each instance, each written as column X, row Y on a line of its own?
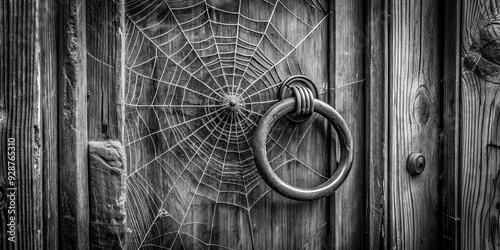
column 483, row 57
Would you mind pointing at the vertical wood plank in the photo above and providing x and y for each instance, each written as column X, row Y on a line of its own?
column 481, row 163
column 73, row 173
column 451, row 122
column 330, row 97
column 19, row 119
column 377, row 123
column 349, row 101
column 480, row 125
column 103, row 26
column 414, row 94
column 49, row 128
column 107, row 174
column 107, row 166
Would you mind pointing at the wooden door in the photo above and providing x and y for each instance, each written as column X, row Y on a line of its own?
column 132, row 141
column 192, row 180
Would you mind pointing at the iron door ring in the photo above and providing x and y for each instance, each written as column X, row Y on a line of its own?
column 274, row 181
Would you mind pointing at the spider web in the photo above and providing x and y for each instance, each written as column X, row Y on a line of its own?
column 199, row 75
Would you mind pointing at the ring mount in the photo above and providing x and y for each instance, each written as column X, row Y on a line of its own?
column 304, row 102
column 297, row 80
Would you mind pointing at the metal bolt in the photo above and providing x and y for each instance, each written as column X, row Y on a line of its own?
column 415, row 163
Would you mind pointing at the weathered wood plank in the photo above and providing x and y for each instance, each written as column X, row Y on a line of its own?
column 376, row 109
column 348, row 93
column 480, row 111
column 19, row 120
column 104, row 71
column 73, row 171
column 104, row 27
column 479, row 125
column 49, row 136
column 107, row 177
column 278, row 222
column 331, row 140
column 414, row 110
column 451, row 126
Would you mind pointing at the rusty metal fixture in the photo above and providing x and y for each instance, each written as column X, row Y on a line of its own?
column 297, row 81
column 273, row 180
column 415, row 164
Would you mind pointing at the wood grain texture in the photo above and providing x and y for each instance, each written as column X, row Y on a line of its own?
column 451, row 125
column 19, row 119
column 192, row 182
column 281, row 223
column 479, row 125
column 107, row 178
column 73, row 171
column 348, row 93
column 481, row 163
column 414, row 111
column 376, row 108
column 49, row 136
column 103, row 27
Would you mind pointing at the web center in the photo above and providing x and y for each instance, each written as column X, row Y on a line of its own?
column 233, row 102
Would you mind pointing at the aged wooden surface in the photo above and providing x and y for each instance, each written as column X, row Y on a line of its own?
column 20, row 120
column 451, row 125
column 108, row 191
column 480, row 125
column 414, row 111
column 290, row 145
column 192, row 180
column 349, row 218
column 481, row 163
column 376, row 109
column 107, row 186
column 73, row 171
column 104, row 37
column 49, row 136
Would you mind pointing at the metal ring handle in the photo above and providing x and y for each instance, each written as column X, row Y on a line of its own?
column 274, row 181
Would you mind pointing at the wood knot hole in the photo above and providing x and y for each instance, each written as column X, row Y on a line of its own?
column 421, row 108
